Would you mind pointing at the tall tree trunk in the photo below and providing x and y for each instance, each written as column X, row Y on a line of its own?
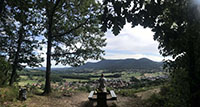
column 193, row 75
column 13, row 75
column 15, row 63
column 1, row 6
column 47, row 88
column 50, row 15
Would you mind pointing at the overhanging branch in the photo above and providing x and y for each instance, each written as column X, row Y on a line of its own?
column 60, row 54
column 76, row 27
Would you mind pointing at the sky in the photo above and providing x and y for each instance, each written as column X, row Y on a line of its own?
column 130, row 43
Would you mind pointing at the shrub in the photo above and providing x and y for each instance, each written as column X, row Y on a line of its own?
column 87, row 88
column 56, row 78
column 174, row 94
column 156, row 100
column 8, row 94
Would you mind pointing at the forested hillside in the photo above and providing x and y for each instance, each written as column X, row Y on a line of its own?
column 142, row 63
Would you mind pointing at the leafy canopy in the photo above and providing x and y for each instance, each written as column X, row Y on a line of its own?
column 76, row 33
column 18, row 34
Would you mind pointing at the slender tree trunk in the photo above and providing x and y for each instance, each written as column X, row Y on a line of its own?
column 50, row 15
column 193, row 75
column 47, row 89
column 15, row 63
column 1, row 6
column 13, row 75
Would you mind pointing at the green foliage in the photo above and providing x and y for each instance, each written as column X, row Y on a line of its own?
column 156, row 100
column 17, row 35
column 174, row 94
column 75, row 31
column 179, row 89
column 114, row 65
column 86, row 88
column 5, row 71
column 56, row 78
column 133, row 79
column 18, row 40
column 72, row 30
column 8, row 94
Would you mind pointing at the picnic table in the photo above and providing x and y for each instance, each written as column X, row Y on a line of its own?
column 102, row 97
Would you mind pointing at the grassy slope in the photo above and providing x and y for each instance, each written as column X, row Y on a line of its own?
column 78, row 99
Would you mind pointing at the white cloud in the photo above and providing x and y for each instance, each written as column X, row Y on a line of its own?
column 135, row 56
column 130, row 43
column 137, row 40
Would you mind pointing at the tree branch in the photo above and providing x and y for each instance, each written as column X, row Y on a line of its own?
column 54, row 8
column 69, row 31
column 59, row 54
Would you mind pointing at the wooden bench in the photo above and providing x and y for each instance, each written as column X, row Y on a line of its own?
column 113, row 95
column 102, row 98
column 91, row 95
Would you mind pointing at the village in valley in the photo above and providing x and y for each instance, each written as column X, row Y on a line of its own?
column 118, row 81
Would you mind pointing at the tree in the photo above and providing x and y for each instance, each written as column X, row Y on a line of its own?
column 17, row 33
column 72, row 30
column 177, row 29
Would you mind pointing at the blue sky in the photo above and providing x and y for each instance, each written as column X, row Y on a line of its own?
column 130, row 43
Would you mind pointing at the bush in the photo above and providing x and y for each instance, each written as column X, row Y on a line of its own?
column 133, row 79
column 156, row 100
column 56, row 78
column 8, row 94
column 86, row 88
column 174, row 94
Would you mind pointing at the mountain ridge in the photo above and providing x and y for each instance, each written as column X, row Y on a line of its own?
column 107, row 64
column 142, row 63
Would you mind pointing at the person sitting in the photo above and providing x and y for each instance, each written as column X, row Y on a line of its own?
column 102, row 84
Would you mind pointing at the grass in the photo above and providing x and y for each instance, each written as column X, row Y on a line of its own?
column 74, row 80
column 23, row 83
column 154, row 74
column 8, row 94
column 132, row 92
column 24, row 77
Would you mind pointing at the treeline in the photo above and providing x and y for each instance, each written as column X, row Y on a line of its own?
column 70, row 76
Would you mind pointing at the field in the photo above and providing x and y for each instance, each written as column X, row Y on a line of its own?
column 33, row 76
column 125, row 83
column 131, row 88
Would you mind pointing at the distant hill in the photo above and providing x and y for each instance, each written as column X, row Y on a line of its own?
column 142, row 63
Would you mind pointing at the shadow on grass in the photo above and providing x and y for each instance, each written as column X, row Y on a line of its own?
column 87, row 104
column 93, row 104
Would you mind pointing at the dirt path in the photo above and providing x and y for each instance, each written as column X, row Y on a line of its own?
column 77, row 100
